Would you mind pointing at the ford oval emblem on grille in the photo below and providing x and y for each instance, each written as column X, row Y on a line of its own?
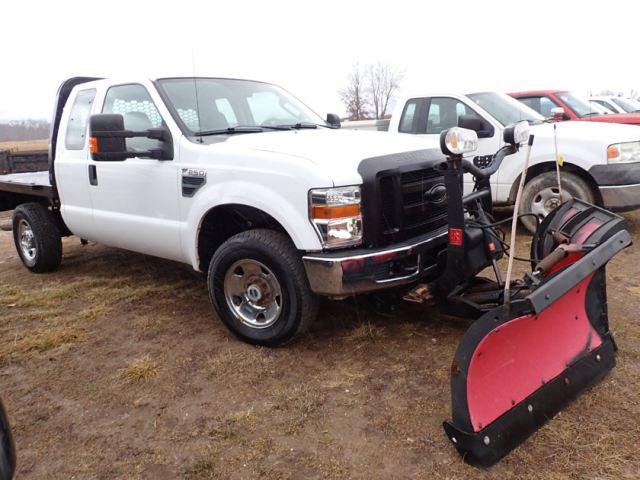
column 436, row 194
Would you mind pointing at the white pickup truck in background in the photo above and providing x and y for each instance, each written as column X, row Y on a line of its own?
column 240, row 180
column 601, row 161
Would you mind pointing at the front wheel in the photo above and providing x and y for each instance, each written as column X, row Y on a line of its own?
column 541, row 195
column 37, row 237
column 259, row 288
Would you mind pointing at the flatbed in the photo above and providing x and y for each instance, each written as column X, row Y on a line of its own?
column 16, row 188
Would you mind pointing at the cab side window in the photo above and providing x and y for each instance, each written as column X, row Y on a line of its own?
column 134, row 103
column 408, row 117
column 444, row 113
column 542, row 105
column 78, row 119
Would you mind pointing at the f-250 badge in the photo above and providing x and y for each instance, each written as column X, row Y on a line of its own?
column 192, row 180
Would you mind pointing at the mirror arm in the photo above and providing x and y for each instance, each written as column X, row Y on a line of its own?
column 153, row 133
column 481, row 173
column 157, row 154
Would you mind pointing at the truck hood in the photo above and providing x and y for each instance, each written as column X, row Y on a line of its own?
column 594, row 132
column 336, row 152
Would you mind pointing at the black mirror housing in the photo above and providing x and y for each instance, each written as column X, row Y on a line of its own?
column 107, row 139
column 333, row 120
column 473, row 122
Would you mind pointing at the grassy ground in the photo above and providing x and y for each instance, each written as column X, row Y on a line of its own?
column 116, row 367
column 25, row 146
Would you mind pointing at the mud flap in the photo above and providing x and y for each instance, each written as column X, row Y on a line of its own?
column 518, row 365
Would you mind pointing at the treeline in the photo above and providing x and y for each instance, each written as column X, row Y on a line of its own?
column 17, row 130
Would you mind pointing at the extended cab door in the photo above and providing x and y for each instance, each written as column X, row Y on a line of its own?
column 135, row 201
column 71, row 163
column 429, row 116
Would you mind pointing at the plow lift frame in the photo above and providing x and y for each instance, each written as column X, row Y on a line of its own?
column 523, row 361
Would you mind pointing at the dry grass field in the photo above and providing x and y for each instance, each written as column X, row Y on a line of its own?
column 25, row 146
column 116, row 367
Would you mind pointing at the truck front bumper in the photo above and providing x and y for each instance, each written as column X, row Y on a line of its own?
column 619, row 185
column 346, row 273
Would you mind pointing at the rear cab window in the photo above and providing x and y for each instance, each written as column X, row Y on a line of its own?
column 76, row 134
column 407, row 121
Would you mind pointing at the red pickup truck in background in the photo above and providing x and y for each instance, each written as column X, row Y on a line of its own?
column 575, row 108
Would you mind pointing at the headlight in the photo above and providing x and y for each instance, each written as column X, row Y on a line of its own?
column 335, row 214
column 517, row 133
column 456, row 141
column 623, row 152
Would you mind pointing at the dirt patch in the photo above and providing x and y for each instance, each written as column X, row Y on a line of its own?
column 116, row 367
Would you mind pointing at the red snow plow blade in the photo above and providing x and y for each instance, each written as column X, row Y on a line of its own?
column 519, row 364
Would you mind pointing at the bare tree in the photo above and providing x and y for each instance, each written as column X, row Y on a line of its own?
column 383, row 84
column 16, row 130
column 353, row 95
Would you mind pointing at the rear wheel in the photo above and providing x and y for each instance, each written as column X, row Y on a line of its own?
column 541, row 195
column 259, row 288
column 37, row 237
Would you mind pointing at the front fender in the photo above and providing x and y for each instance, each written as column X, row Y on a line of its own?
column 291, row 211
column 576, row 154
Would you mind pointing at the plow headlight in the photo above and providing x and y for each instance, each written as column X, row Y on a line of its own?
column 623, row 152
column 517, row 133
column 335, row 214
column 457, row 141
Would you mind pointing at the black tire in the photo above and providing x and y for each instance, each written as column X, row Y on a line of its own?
column 45, row 239
column 536, row 190
column 298, row 306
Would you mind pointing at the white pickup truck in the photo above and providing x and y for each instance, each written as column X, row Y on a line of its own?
column 601, row 161
column 240, row 180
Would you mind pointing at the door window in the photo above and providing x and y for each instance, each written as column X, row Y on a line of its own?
column 444, row 113
column 542, row 105
column 78, row 119
column 134, row 103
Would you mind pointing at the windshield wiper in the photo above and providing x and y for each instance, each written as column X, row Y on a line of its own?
column 299, row 125
column 591, row 113
column 230, row 131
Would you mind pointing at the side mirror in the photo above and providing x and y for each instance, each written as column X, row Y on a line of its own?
column 559, row 114
column 473, row 122
column 7, row 447
column 333, row 120
column 516, row 133
column 107, row 139
column 457, row 141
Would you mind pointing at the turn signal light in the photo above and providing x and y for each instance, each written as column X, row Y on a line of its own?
column 337, row 211
column 613, row 152
column 93, row 145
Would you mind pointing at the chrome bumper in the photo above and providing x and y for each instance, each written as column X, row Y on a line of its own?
column 340, row 274
column 621, row 197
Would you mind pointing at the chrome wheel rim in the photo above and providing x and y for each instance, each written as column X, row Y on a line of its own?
column 253, row 293
column 547, row 200
column 27, row 240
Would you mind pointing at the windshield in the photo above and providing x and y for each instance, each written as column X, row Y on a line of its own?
column 219, row 104
column 627, row 104
column 505, row 109
column 580, row 107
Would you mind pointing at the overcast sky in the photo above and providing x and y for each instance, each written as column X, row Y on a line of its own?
column 309, row 47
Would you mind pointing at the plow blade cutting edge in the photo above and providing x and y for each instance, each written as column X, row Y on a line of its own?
column 520, row 364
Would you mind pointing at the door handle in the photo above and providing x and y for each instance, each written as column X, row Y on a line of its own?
column 93, row 175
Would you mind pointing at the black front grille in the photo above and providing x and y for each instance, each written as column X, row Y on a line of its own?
column 412, row 203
